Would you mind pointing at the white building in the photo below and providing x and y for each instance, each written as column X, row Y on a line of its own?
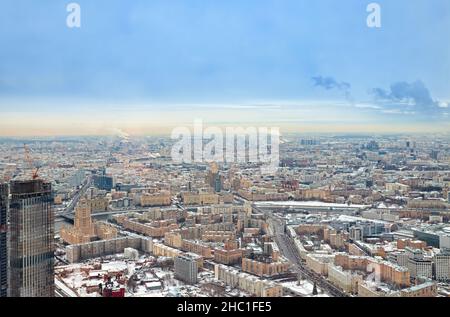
column 420, row 268
column 442, row 263
column 186, row 269
column 347, row 281
column 444, row 242
column 399, row 257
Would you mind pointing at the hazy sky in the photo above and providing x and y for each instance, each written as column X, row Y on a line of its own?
column 139, row 65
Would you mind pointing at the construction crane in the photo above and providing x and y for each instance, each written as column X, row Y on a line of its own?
column 29, row 160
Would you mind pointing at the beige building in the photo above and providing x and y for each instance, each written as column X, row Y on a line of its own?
column 397, row 187
column 84, row 230
column 246, row 282
column 228, row 257
column 388, row 272
column 319, row 263
column 152, row 229
column 197, row 248
column 414, row 244
column 337, row 240
column 166, row 251
column 313, row 194
column 194, row 198
column 161, row 198
column 159, row 249
column 268, row 268
column 173, row 239
column 262, row 194
column 218, row 236
column 105, row 231
column 99, row 204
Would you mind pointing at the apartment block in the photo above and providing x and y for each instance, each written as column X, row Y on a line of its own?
column 186, row 269
column 247, row 282
column 266, row 268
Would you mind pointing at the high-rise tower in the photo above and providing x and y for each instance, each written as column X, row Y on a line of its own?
column 31, row 239
column 4, row 211
column 83, row 220
column 213, row 178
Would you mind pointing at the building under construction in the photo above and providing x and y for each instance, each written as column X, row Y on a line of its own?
column 4, row 210
column 31, row 239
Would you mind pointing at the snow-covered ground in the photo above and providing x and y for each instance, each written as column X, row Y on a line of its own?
column 114, row 266
column 353, row 218
column 76, row 279
column 305, row 288
column 68, row 291
column 306, row 204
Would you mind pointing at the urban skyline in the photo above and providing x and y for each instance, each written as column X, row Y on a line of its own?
column 225, row 149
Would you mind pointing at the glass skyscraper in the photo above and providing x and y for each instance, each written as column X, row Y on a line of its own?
column 31, row 240
column 4, row 208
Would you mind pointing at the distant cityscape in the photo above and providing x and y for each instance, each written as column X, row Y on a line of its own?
column 224, row 156
column 342, row 216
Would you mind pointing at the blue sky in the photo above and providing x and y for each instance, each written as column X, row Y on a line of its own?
column 291, row 59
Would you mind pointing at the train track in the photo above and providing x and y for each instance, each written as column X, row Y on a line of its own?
column 288, row 249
